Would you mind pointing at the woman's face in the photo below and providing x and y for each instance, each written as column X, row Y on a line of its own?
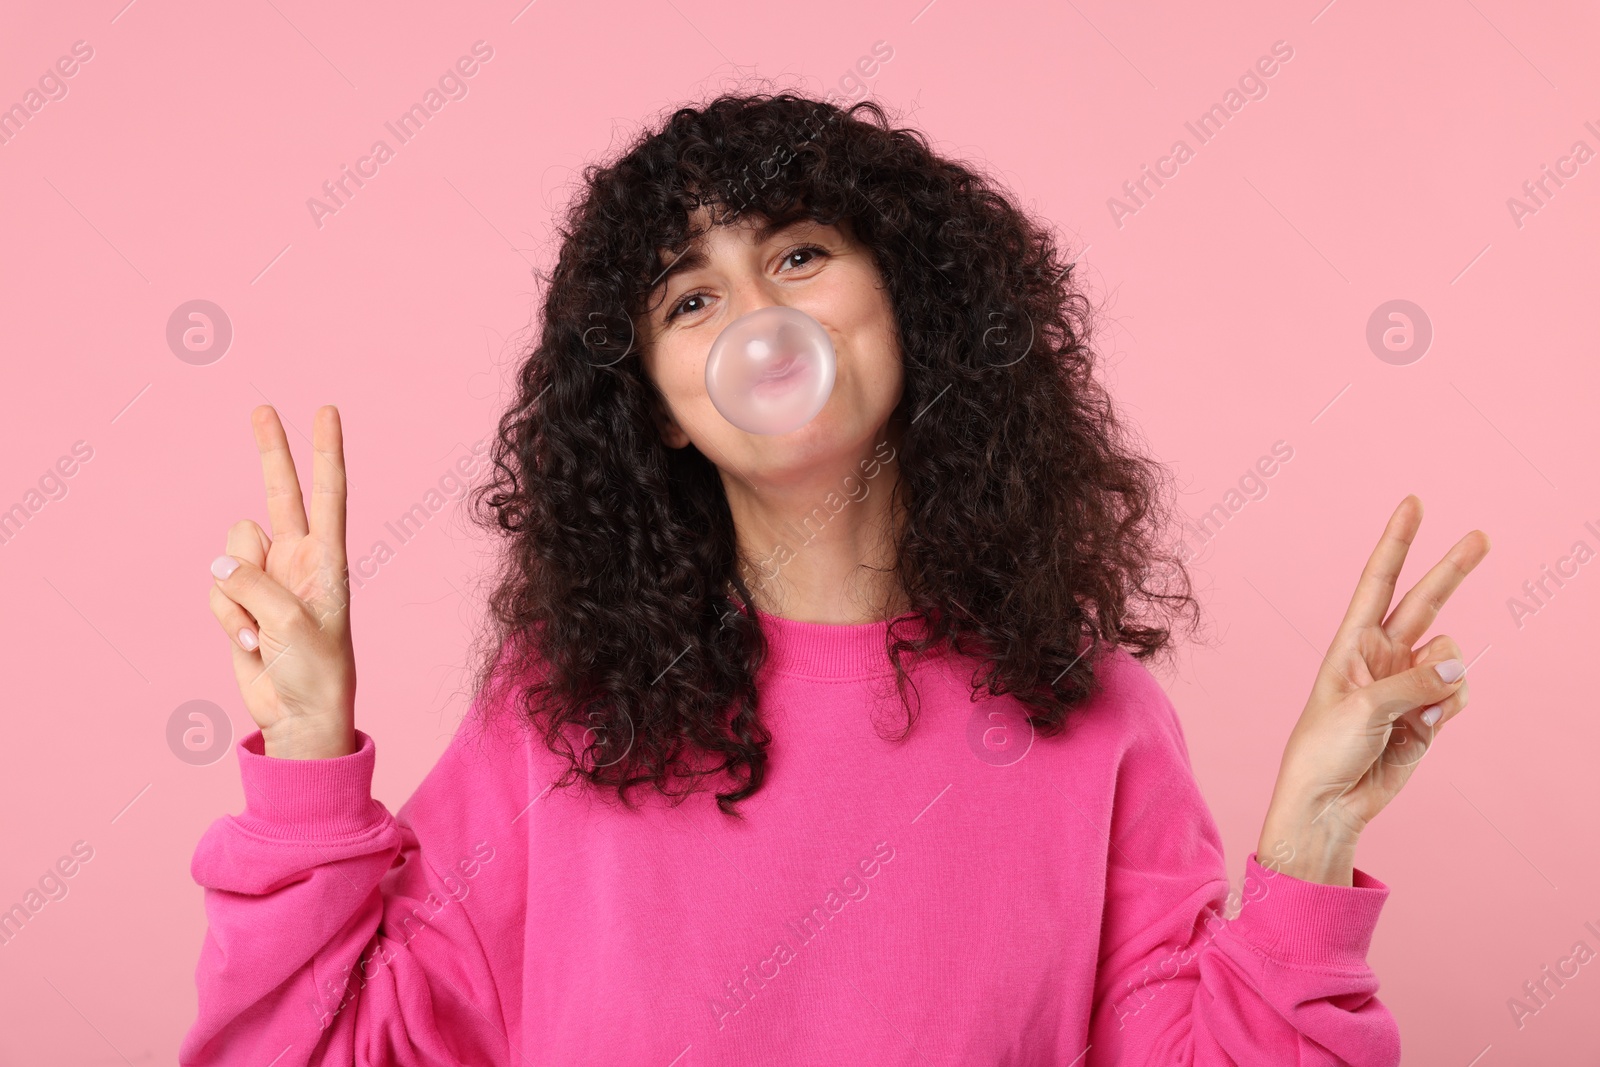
column 735, row 269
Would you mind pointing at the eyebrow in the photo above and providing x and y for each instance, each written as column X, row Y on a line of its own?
column 694, row 257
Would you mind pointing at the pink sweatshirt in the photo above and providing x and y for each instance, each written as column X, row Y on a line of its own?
column 971, row 895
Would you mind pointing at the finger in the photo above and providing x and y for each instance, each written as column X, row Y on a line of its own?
column 1441, row 647
column 1412, row 690
column 236, row 622
column 328, row 491
column 1411, row 735
column 1438, row 650
column 285, row 509
column 1375, row 589
column 1419, row 607
column 1448, row 708
column 255, row 591
column 248, row 542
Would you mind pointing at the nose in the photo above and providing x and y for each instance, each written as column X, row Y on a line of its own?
column 751, row 293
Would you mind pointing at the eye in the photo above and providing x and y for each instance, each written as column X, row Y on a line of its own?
column 700, row 294
column 676, row 311
column 802, row 250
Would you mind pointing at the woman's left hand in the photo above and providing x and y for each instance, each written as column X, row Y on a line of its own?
column 1366, row 724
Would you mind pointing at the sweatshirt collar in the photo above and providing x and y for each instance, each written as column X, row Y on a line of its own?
column 825, row 650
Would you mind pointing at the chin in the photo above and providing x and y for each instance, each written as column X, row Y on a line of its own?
column 833, row 439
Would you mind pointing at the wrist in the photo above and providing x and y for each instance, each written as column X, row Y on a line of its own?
column 298, row 738
column 1309, row 842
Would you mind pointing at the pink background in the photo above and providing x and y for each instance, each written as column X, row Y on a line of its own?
column 1236, row 302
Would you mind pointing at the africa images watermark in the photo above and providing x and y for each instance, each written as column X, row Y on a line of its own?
column 451, row 85
column 1252, row 486
column 1539, row 591
column 337, row 990
column 1252, row 85
column 52, row 486
column 1538, row 993
column 1537, row 192
column 1177, row 960
column 448, row 488
column 52, row 886
column 803, row 930
column 855, row 489
column 52, row 86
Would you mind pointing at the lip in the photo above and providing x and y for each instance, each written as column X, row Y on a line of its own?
column 783, row 370
column 780, row 381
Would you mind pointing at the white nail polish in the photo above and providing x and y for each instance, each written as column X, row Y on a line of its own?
column 247, row 639
column 1431, row 715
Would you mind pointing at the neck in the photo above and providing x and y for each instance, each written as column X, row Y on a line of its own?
column 822, row 548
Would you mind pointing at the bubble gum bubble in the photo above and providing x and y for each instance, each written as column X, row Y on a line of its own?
column 770, row 371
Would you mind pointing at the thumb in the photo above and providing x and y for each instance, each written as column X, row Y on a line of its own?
column 1428, row 683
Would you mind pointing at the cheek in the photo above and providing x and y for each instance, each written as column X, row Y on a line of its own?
column 862, row 311
column 893, row 383
column 689, row 382
column 884, row 368
column 679, row 372
column 875, row 379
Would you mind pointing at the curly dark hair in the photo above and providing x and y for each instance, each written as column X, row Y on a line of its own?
column 1029, row 534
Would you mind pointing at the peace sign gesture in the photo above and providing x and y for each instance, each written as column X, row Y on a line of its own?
column 284, row 600
column 1377, row 702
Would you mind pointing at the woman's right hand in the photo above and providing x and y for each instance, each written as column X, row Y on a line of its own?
column 290, row 595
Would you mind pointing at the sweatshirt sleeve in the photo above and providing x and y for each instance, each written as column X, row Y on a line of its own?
column 1284, row 982
column 340, row 933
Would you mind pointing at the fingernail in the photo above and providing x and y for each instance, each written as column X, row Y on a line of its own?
column 1431, row 716
column 1451, row 669
column 223, row 566
column 247, row 638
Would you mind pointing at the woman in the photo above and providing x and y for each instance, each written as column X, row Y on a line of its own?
column 689, row 821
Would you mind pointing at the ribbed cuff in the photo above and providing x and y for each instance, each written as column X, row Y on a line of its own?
column 1295, row 921
column 308, row 799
